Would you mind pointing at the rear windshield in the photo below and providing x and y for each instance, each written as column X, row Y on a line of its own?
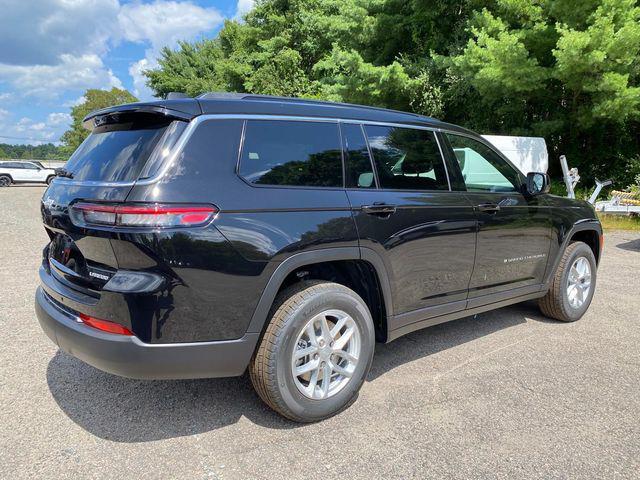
column 119, row 151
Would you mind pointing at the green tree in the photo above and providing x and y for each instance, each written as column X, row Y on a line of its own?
column 557, row 69
column 568, row 71
column 93, row 100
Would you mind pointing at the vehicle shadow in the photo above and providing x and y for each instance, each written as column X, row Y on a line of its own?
column 125, row 410
column 633, row 245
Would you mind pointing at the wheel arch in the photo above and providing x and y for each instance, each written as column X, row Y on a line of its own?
column 587, row 231
column 323, row 264
column 7, row 175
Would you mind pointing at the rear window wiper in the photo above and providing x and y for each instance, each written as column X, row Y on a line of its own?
column 61, row 172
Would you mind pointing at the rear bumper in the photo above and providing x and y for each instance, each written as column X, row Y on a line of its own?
column 127, row 356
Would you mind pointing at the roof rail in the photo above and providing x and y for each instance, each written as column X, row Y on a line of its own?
column 222, row 96
column 310, row 101
column 176, row 95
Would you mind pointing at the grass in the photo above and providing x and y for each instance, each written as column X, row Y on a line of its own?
column 620, row 222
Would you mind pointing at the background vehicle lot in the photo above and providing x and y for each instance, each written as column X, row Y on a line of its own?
column 505, row 394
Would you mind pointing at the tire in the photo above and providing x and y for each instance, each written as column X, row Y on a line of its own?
column 558, row 303
column 50, row 178
column 5, row 180
column 271, row 369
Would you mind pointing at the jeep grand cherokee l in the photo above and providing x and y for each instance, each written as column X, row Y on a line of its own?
column 203, row 237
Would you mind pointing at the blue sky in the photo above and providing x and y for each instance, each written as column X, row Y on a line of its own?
column 53, row 50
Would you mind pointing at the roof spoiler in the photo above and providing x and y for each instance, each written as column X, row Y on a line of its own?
column 178, row 109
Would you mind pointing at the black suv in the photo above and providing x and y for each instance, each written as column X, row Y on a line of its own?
column 200, row 237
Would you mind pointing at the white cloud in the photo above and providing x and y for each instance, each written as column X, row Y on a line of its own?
column 3, row 113
column 162, row 24
column 5, row 96
column 58, row 118
column 243, row 7
column 74, row 103
column 39, row 32
column 72, row 73
column 30, row 132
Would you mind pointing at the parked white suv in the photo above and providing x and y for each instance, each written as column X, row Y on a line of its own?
column 24, row 172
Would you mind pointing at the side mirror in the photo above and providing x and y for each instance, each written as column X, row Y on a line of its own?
column 538, row 183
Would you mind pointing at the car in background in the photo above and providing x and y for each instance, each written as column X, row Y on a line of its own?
column 24, row 172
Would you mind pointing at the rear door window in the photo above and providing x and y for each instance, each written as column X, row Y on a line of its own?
column 119, row 150
column 407, row 158
column 290, row 153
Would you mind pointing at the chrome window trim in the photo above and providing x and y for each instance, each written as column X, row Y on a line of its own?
column 195, row 123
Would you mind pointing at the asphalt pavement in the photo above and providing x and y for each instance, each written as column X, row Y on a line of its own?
column 507, row 394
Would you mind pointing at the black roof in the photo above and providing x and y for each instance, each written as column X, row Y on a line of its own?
column 246, row 103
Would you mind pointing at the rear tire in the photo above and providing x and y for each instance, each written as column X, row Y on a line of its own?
column 573, row 285
column 5, row 180
column 332, row 324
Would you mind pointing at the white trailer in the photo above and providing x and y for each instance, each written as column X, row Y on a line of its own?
column 529, row 154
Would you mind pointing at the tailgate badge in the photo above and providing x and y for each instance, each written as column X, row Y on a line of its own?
column 99, row 276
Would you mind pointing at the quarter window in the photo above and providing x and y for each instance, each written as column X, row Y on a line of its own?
column 305, row 154
column 407, row 158
column 483, row 169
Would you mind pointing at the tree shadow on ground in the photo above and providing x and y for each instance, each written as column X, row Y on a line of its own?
column 125, row 410
column 633, row 245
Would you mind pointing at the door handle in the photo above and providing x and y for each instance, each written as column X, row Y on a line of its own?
column 488, row 207
column 379, row 209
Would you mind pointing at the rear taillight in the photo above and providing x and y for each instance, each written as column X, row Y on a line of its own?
column 155, row 215
column 105, row 325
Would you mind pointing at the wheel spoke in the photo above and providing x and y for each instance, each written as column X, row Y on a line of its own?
column 342, row 371
column 324, row 327
column 326, row 379
column 307, row 367
column 338, row 326
column 311, row 333
column 346, row 355
column 303, row 352
column 313, row 382
column 342, row 341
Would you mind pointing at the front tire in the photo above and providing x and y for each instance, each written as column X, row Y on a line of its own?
column 315, row 353
column 50, row 179
column 5, row 180
column 573, row 285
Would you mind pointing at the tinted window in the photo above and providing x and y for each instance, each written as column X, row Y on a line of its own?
column 358, row 168
column 482, row 169
column 30, row 166
column 407, row 158
column 117, row 151
column 292, row 153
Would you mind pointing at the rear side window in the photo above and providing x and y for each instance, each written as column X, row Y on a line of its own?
column 358, row 167
column 304, row 154
column 407, row 158
column 118, row 151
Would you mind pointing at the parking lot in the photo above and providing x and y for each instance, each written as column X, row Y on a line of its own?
column 505, row 394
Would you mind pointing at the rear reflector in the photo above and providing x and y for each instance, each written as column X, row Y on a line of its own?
column 141, row 215
column 104, row 325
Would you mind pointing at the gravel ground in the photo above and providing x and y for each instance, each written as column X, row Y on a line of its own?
column 507, row 394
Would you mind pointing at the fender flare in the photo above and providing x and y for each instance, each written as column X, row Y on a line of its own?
column 579, row 226
column 261, row 312
column 7, row 175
